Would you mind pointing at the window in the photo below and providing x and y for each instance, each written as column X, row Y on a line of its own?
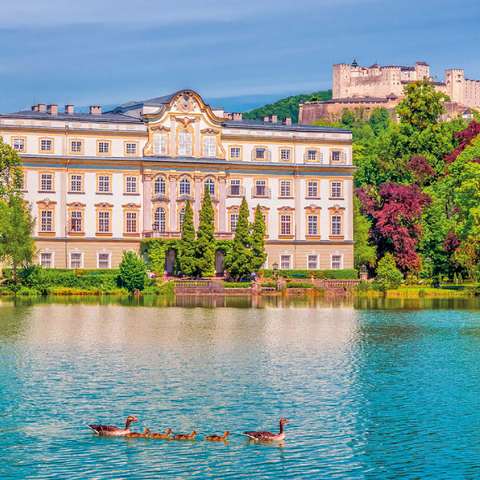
column 312, row 189
column 209, row 185
column 46, row 182
column 76, row 221
column 312, row 225
column 160, row 220
column 285, row 188
column 131, row 222
column 131, row 148
column 160, row 144
column 180, row 217
column 76, row 183
column 336, row 189
column 336, row 225
column 285, row 262
column 312, row 262
column 261, row 188
column 103, row 260
column 209, row 146
column 131, row 184
column 312, row 155
column 235, row 187
column 184, row 186
column 336, row 262
column 233, row 221
column 46, row 259
column 19, row 144
column 104, row 183
column 75, row 260
column 285, row 225
column 76, row 146
column 160, row 186
column 185, row 143
column 260, row 153
column 46, row 145
column 46, row 224
column 336, row 156
column 104, row 222
column 285, row 154
column 235, row 152
column 103, row 147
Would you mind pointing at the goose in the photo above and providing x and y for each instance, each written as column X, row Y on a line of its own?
column 160, row 435
column 112, row 431
column 139, row 435
column 183, row 436
column 267, row 436
column 218, row 438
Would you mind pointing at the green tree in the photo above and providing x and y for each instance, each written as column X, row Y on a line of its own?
column 257, row 241
column 17, row 246
column 239, row 262
column 11, row 176
column 133, row 271
column 388, row 275
column 187, row 243
column 364, row 253
column 205, row 246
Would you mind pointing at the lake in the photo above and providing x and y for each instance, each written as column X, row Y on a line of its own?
column 373, row 388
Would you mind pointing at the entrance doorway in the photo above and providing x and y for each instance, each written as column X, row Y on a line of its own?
column 219, row 257
column 170, row 262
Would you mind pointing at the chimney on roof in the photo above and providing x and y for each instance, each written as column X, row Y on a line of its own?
column 41, row 107
column 52, row 109
column 287, row 121
column 95, row 110
column 69, row 109
column 34, row 108
column 236, row 116
column 273, row 118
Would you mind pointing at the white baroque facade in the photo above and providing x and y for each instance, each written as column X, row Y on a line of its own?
column 100, row 182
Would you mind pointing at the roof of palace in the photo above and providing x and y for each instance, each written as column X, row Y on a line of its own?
column 80, row 117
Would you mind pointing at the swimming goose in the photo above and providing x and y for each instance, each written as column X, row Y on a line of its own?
column 184, row 436
column 138, row 434
column 112, row 431
column 161, row 435
column 217, row 438
column 267, row 436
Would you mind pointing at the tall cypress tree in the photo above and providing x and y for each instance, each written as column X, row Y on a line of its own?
column 205, row 246
column 238, row 262
column 187, row 244
column 257, row 241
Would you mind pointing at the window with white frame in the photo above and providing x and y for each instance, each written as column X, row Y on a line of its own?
column 235, row 152
column 131, row 184
column 103, row 147
column 285, row 224
column 209, row 146
column 181, row 215
column 46, row 182
column 76, row 220
column 103, row 260
column 19, row 144
column 336, row 262
column 209, row 185
column 312, row 155
column 312, row 262
column 160, row 186
column 46, row 259
column 260, row 153
column 312, row 227
column 104, row 222
column 260, row 188
column 285, row 188
column 336, row 225
column 336, row 156
column 46, row 224
column 185, row 143
column 336, row 189
column 46, row 145
column 184, row 186
column 235, row 187
column 131, row 148
column 285, row 262
column 160, row 144
column 131, row 222
column 104, row 183
column 75, row 260
column 312, row 189
column 76, row 183
column 160, row 220
column 233, row 221
column 76, row 146
column 285, row 154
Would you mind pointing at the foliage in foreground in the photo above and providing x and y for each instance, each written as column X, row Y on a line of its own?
column 133, row 271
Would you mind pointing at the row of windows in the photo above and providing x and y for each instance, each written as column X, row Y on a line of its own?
column 313, row 261
column 286, row 154
column 75, row 260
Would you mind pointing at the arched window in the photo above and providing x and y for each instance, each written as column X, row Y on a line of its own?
column 184, row 186
column 160, row 220
column 160, row 185
column 180, row 216
column 209, row 184
column 185, row 143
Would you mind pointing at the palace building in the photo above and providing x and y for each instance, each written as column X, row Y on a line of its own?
column 99, row 183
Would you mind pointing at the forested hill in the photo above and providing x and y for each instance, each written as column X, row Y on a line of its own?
column 286, row 107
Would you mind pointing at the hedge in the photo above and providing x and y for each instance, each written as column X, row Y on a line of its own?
column 8, row 272
column 300, row 285
column 346, row 274
column 237, row 285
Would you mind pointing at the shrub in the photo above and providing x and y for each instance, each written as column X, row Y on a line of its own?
column 299, row 285
column 269, row 284
column 133, row 271
column 364, row 287
column 345, row 274
column 388, row 275
column 237, row 285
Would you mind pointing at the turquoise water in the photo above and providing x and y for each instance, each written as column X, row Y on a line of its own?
column 372, row 388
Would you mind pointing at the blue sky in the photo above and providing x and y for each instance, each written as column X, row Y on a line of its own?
column 236, row 54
